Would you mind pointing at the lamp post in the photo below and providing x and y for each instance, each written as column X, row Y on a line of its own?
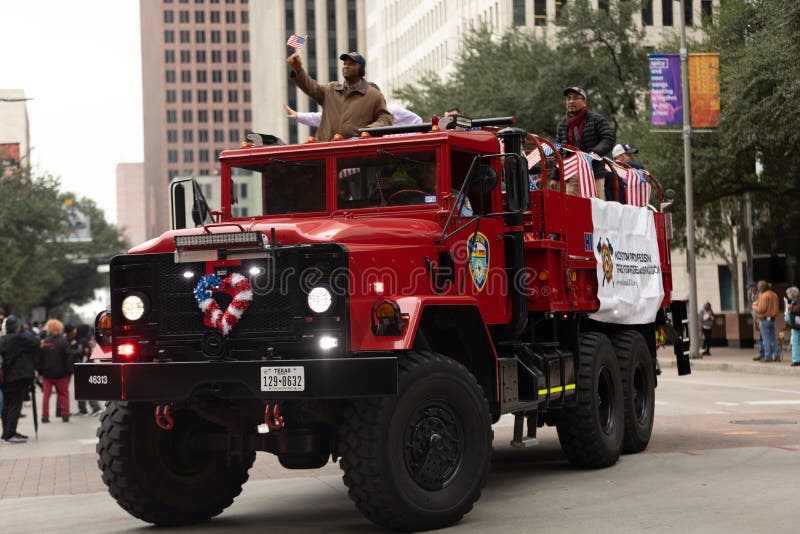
column 687, row 168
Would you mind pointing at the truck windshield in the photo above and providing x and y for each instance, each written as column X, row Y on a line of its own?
column 278, row 187
column 386, row 179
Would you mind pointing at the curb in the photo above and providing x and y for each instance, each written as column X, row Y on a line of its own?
column 759, row 368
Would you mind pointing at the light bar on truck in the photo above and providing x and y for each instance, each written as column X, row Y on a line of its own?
column 216, row 241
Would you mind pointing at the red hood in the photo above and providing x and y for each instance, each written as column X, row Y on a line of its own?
column 382, row 231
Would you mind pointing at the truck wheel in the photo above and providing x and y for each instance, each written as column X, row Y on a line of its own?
column 155, row 476
column 591, row 432
column 418, row 460
column 638, row 387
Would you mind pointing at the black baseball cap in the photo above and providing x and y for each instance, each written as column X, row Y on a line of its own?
column 575, row 89
column 354, row 56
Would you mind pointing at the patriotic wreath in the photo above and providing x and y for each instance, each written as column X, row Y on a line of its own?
column 235, row 285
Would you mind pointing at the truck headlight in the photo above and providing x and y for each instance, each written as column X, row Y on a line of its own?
column 320, row 300
column 133, row 307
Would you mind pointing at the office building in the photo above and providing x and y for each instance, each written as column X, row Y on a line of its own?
column 15, row 142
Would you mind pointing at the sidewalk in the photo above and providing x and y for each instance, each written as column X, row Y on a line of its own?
column 734, row 360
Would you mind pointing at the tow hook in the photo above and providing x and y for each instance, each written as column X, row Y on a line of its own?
column 272, row 417
column 164, row 419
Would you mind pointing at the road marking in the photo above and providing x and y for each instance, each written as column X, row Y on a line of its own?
column 727, row 403
column 772, row 402
column 790, row 449
column 740, row 433
column 727, row 385
column 661, row 403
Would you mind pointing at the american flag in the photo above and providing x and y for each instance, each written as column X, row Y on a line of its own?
column 534, row 157
column 296, row 41
column 580, row 165
column 637, row 188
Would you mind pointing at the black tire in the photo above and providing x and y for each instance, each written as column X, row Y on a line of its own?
column 155, row 477
column 638, row 387
column 591, row 432
column 418, row 460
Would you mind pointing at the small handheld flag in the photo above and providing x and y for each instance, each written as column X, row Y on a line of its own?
column 296, row 41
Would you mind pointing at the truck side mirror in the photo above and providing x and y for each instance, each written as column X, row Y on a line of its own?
column 669, row 195
column 187, row 201
column 484, row 178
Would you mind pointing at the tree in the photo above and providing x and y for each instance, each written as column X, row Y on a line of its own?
column 40, row 266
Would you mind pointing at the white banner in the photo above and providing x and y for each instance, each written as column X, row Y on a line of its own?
column 625, row 245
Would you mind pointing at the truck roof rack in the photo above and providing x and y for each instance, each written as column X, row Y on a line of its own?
column 453, row 122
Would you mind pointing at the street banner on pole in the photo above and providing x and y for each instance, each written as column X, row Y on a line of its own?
column 704, row 90
column 665, row 90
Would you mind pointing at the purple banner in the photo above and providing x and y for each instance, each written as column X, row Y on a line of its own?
column 665, row 90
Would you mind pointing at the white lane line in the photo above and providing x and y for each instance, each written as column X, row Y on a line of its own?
column 727, row 403
column 728, row 386
column 772, row 402
column 661, row 403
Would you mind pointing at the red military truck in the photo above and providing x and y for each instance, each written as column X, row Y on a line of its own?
column 379, row 301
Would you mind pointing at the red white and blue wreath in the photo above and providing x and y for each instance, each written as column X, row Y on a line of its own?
column 235, row 285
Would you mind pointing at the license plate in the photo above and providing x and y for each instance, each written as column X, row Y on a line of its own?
column 283, row 378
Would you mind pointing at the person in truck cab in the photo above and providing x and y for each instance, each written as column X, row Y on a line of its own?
column 346, row 106
column 588, row 131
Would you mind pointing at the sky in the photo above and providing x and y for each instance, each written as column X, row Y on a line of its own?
column 80, row 63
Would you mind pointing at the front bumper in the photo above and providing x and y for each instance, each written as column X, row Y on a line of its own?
column 324, row 379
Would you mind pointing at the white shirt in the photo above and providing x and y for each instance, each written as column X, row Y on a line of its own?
column 401, row 116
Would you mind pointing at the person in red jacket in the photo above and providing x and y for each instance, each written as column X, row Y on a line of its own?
column 54, row 364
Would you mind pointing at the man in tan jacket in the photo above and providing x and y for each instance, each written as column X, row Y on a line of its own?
column 766, row 308
column 346, row 106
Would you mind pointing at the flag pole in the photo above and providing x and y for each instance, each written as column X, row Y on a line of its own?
column 691, row 265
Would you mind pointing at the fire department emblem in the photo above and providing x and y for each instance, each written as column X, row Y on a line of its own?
column 478, row 247
column 235, row 285
column 606, row 252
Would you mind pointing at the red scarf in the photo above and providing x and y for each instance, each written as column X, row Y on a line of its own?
column 576, row 122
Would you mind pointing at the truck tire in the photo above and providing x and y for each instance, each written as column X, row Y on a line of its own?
column 418, row 460
column 152, row 473
column 638, row 388
column 591, row 432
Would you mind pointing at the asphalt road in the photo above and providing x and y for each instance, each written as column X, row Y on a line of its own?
column 724, row 457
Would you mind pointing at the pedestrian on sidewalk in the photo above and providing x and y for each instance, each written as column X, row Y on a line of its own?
column 706, row 325
column 793, row 319
column 18, row 353
column 54, row 364
column 766, row 308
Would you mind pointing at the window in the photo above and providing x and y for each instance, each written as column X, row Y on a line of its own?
column 518, row 9
column 200, row 56
column 216, row 36
column 219, row 137
column 169, row 36
column 170, row 76
column 688, row 13
column 230, row 17
column 171, row 96
column 246, row 95
column 172, row 156
column 186, row 56
column 215, row 17
column 248, row 116
column 187, row 136
column 230, row 36
column 169, row 56
column 201, row 76
column 186, row 76
column 186, row 96
column 172, row 173
column 217, row 152
column 245, row 56
column 233, row 115
column 219, row 116
column 559, row 8
column 246, row 76
column 216, row 56
column 202, row 95
column 233, row 95
column 217, row 95
column 233, row 136
column 202, row 135
column 202, row 155
column 706, row 10
column 603, row 6
column 184, row 16
column 666, row 12
column 275, row 184
column 172, row 136
column 200, row 36
column 169, row 16
column 231, row 56
column 245, row 16
column 647, row 12
column 186, row 36
column 245, row 36
column 202, row 115
column 186, row 116
column 199, row 17
column 216, row 76
column 232, row 76
column 172, row 116
column 188, row 156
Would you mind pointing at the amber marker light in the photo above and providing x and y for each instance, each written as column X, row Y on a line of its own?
column 338, row 137
column 246, row 144
column 435, row 128
column 544, row 276
column 365, row 134
column 312, row 139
